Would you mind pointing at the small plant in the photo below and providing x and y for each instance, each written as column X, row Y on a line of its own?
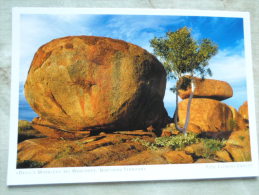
column 29, row 164
column 233, row 124
column 211, row 146
column 150, row 145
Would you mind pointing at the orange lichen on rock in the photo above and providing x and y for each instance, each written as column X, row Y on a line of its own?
column 86, row 82
column 207, row 115
column 208, row 88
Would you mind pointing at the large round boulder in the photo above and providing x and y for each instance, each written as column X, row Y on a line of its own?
column 206, row 115
column 208, row 88
column 86, row 83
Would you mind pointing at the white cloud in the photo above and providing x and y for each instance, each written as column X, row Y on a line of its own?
column 228, row 67
column 37, row 30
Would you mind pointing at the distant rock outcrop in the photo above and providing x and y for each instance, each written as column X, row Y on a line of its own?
column 208, row 88
column 243, row 110
column 81, row 83
column 238, row 121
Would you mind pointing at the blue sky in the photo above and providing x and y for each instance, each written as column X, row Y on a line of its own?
column 228, row 65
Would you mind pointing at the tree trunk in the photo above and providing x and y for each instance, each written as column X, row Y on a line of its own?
column 187, row 119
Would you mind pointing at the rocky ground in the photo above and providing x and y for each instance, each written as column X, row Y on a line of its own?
column 132, row 148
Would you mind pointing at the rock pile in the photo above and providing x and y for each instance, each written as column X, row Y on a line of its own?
column 82, row 83
column 208, row 113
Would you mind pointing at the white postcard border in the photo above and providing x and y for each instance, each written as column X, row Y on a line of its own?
column 132, row 172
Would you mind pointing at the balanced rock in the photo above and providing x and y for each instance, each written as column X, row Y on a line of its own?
column 206, row 115
column 82, row 83
column 243, row 110
column 208, row 88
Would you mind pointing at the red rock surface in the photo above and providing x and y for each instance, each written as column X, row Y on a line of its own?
column 238, row 122
column 86, row 83
column 178, row 157
column 207, row 115
column 243, row 110
column 238, row 146
column 104, row 149
column 208, row 88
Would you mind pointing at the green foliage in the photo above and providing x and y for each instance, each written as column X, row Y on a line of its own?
column 177, row 142
column 29, row 164
column 183, row 83
column 211, row 146
column 233, row 124
column 24, row 125
column 149, row 145
column 26, row 131
column 206, row 147
column 181, row 54
column 174, row 142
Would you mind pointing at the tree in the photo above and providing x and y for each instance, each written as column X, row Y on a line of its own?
column 181, row 55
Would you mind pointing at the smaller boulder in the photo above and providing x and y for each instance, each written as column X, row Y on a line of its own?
column 223, row 156
column 206, row 115
column 208, row 88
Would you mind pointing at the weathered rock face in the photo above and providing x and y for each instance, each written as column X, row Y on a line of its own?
column 207, row 115
column 86, row 83
column 118, row 148
column 178, row 157
column 105, row 149
column 238, row 146
column 243, row 110
column 238, row 122
column 208, row 88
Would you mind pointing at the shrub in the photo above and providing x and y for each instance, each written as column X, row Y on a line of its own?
column 174, row 142
column 233, row 124
column 211, row 146
column 177, row 142
column 29, row 164
column 26, row 131
column 24, row 125
column 207, row 150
